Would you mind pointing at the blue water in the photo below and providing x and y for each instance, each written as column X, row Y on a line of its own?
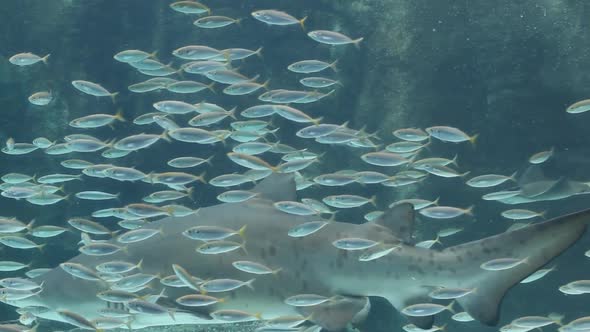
column 506, row 71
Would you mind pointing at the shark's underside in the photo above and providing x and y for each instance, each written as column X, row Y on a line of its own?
column 312, row 265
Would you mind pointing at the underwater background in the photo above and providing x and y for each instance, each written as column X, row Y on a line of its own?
column 503, row 69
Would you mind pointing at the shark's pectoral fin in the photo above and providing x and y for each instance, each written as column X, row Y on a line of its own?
column 277, row 187
column 400, row 220
column 338, row 313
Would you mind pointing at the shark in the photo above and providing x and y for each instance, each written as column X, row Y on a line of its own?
column 534, row 186
column 313, row 265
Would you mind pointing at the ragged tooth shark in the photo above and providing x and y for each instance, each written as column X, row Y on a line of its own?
column 313, row 265
column 535, row 187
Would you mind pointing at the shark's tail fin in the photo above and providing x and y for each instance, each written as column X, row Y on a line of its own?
column 535, row 245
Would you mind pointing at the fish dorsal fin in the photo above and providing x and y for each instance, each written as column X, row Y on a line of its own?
column 400, row 220
column 277, row 187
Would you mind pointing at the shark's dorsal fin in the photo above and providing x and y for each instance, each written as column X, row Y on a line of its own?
column 277, row 187
column 531, row 174
column 400, row 220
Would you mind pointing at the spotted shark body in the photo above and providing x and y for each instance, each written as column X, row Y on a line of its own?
column 312, row 265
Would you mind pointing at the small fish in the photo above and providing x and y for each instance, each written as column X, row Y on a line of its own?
column 93, row 89
column 306, row 229
column 212, row 233
column 129, row 56
column 80, row 271
column 373, row 255
column 47, row 231
column 76, row 320
column 541, row 157
column 537, row 275
column 96, row 195
column 499, row 195
column 427, row 244
column 489, row 180
column 100, row 249
column 41, row 98
column 212, row 22
column 188, row 87
column 384, row 158
column 296, row 208
column 133, row 281
column 332, row 38
column 534, row 322
column 318, row 82
column 137, row 235
column 198, row 300
column 443, row 171
column 190, row 7
column 219, row 247
column 450, row 134
column 445, row 232
column 124, row 174
column 42, row 142
column 188, row 162
column 148, row 308
column 306, row 300
column 228, row 315
column 114, row 267
column 311, row 66
column 225, row 285
column 96, row 120
column 19, row 284
column 426, row 309
column 229, row 180
column 500, row 264
column 276, row 17
column 462, row 317
column 254, row 268
column 27, row 59
column 347, row 201
column 9, row 266
column 521, row 214
column 445, row 212
column 444, row 293
column 411, row 134
column 187, row 279
column 18, row 242
column 354, row 244
column 579, row 107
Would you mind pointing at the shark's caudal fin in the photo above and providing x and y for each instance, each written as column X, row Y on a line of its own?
column 277, row 187
column 536, row 243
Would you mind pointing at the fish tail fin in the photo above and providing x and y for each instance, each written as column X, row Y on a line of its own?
column 113, row 97
column 317, row 120
column 232, row 113
column 357, row 42
column 249, row 283
column 211, row 87
column 44, row 59
column 119, row 115
column 537, row 243
column 473, row 139
column 242, row 231
column 334, row 67
column 201, row 177
column 258, row 52
column 302, row 22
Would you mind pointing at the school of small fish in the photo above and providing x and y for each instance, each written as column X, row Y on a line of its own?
column 250, row 138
